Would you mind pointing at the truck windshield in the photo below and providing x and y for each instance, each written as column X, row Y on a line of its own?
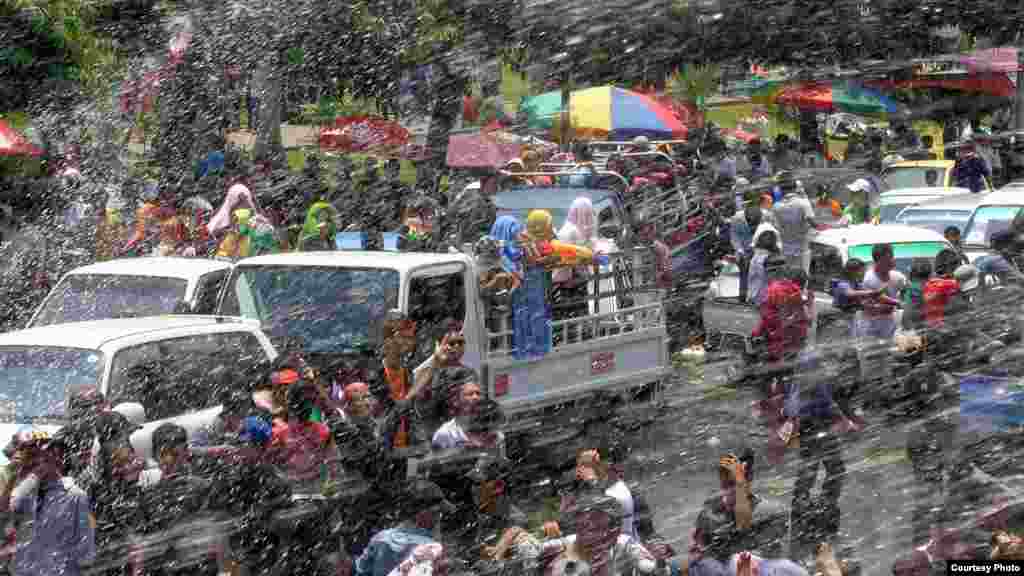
column 327, row 309
column 905, row 252
column 34, row 380
column 82, row 297
column 986, row 221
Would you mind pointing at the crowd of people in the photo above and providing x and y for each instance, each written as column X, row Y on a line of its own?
column 308, row 472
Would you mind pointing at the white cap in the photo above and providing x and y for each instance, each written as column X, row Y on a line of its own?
column 641, row 141
column 859, row 185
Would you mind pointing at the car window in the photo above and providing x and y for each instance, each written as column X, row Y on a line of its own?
column 177, row 376
column 34, row 380
column 913, row 177
column 82, row 297
column 986, row 221
column 889, row 212
column 934, row 219
column 826, row 264
column 433, row 300
column 905, row 252
column 208, row 291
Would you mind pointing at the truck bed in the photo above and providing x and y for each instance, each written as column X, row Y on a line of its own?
column 625, row 350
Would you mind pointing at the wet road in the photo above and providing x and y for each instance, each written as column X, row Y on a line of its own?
column 676, row 460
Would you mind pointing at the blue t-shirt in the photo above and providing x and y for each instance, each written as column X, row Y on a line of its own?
column 841, row 294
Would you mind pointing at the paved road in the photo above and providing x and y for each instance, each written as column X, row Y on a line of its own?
column 676, row 460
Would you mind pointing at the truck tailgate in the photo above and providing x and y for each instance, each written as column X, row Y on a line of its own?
column 571, row 371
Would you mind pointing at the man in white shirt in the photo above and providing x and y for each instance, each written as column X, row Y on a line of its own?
column 476, row 426
column 880, row 314
column 794, row 217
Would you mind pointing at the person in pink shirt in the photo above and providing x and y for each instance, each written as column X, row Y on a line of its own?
column 304, row 449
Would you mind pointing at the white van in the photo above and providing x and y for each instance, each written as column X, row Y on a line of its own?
column 132, row 288
column 168, row 364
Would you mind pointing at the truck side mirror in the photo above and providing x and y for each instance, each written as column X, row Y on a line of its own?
column 133, row 411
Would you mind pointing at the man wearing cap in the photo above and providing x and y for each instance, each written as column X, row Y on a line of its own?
column 56, row 536
column 422, row 507
column 796, row 223
column 970, row 170
column 859, row 210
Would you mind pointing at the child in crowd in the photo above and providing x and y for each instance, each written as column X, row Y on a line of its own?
column 940, row 292
column 847, row 292
column 913, row 299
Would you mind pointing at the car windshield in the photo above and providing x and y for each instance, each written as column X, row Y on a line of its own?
column 82, row 297
column 905, row 252
column 328, row 309
column 34, row 380
column 986, row 221
column 913, row 177
column 934, row 219
column 519, row 202
column 889, row 212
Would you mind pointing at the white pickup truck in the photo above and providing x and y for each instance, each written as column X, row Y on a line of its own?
column 332, row 303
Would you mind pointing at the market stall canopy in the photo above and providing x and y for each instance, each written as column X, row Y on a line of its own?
column 13, row 143
column 838, row 97
column 482, row 149
column 605, row 112
column 364, row 134
column 1002, row 60
column 994, row 83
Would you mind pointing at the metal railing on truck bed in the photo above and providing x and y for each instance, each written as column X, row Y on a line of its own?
column 617, row 352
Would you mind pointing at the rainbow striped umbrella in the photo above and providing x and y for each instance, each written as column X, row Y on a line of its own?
column 605, row 112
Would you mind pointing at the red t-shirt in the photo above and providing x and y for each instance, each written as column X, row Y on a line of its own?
column 784, row 318
column 302, row 448
column 937, row 294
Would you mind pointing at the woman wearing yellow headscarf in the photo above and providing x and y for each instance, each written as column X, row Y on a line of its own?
column 531, row 315
column 236, row 244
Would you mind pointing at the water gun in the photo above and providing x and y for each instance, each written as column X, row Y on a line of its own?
column 572, row 255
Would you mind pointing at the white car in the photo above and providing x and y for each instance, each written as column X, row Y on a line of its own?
column 724, row 316
column 134, row 287
column 893, row 202
column 170, row 365
column 994, row 214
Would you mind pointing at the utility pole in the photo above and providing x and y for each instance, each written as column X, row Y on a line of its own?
column 1018, row 120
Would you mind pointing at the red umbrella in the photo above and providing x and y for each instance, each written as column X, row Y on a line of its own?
column 13, row 143
column 364, row 134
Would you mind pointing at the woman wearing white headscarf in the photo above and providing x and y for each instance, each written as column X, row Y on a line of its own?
column 239, row 196
column 580, row 229
column 224, row 226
